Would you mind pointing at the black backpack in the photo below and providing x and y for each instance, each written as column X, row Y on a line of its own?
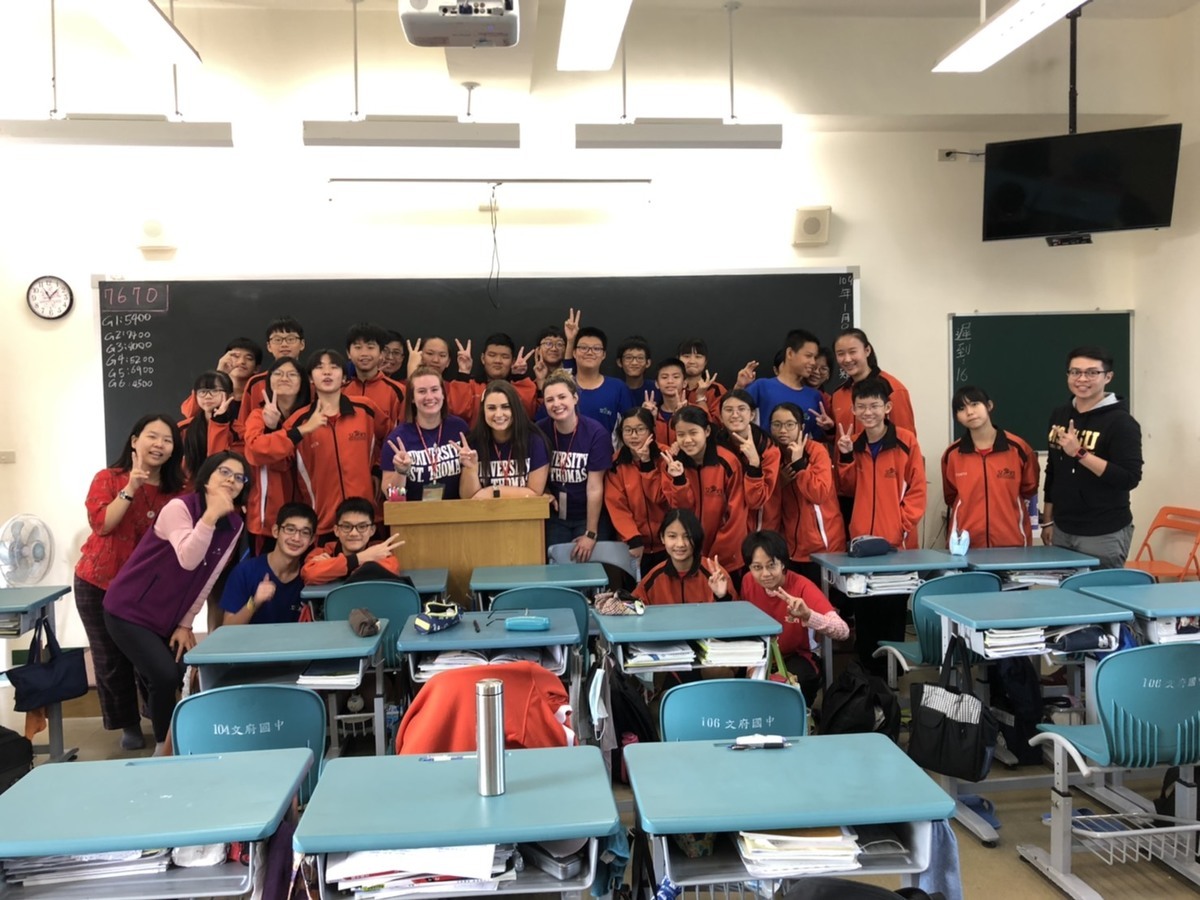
column 858, row 703
column 1016, row 694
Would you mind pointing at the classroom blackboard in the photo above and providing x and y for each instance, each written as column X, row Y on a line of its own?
column 156, row 337
column 1020, row 360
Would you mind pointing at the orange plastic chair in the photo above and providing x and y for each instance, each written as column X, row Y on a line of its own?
column 1171, row 518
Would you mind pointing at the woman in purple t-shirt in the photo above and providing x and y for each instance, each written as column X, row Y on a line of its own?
column 504, row 456
column 581, row 452
column 421, row 455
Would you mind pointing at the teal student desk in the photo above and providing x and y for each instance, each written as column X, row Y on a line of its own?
column 143, row 804
column 688, row 622
column 403, row 802
column 279, row 653
column 972, row 616
column 1010, row 563
column 846, row 779
column 20, row 610
column 487, row 581
column 1157, row 607
column 430, row 584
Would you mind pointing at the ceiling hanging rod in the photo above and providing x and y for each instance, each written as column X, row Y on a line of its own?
column 1072, row 92
column 731, row 7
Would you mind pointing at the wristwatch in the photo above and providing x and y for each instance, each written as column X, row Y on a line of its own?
column 1083, row 451
column 590, row 534
column 124, row 495
column 496, row 492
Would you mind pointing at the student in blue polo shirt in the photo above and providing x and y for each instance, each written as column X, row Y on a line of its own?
column 266, row 589
column 580, row 453
column 791, row 384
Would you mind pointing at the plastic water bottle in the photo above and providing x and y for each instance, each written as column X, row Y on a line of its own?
column 489, row 735
column 667, row 890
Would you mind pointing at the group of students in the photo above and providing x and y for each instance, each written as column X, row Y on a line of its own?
column 702, row 483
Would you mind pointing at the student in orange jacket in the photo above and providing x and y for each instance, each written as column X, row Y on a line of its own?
column 884, row 471
column 671, row 381
column 336, row 442
column 241, row 358
column 364, row 348
column 285, row 340
column 702, row 387
column 353, row 551
column 273, row 482
column 755, row 450
column 633, row 492
column 501, row 362
column 988, row 476
column 804, row 507
column 684, row 576
column 709, row 480
column 211, row 429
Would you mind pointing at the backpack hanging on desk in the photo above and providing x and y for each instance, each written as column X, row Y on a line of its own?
column 62, row 675
column 1016, row 696
column 16, row 757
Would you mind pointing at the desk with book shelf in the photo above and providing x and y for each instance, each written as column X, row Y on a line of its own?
column 1160, row 610
column 550, row 794
column 696, row 787
column 279, row 653
column 142, row 804
column 687, row 623
column 1022, row 567
column 20, row 610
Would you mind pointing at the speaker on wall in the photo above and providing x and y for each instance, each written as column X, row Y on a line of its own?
column 812, row 226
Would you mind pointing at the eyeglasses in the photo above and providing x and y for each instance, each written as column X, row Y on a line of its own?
column 554, row 344
column 635, row 430
column 631, row 358
column 361, row 527
column 286, row 340
column 735, row 409
column 210, row 393
column 785, row 426
column 227, row 473
column 589, row 349
column 1085, row 373
column 773, row 566
column 869, row 407
column 393, row 354
column 284, row 375
column 292, row 531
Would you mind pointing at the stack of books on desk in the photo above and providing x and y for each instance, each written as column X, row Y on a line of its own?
column 333, row 674
column 552, row 658
column 715, row 652
column 664, row 656
column 798, row 851
column 380, row 874
column 1046, row 577
column 883, row 583
column 1013, row 642
column 35, row 870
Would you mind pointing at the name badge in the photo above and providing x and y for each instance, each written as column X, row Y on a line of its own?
column 433, row 491
column 562, row 504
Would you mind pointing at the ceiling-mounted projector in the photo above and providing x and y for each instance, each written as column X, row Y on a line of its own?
column 478, row 23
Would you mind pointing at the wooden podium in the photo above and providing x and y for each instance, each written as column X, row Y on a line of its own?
column 463, row 534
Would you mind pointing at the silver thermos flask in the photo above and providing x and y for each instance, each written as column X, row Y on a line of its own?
column 489, row 737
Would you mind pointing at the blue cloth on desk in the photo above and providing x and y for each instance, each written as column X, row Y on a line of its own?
column 611, row 859
column 943, row 875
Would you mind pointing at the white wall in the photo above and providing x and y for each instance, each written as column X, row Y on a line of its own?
column 264, row 209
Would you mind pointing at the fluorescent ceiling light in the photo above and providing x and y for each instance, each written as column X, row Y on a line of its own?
column 127, row 131
column 145, row 29
column 679, row 134
column 1014, row 25
column 591, row 34
column 412, row 131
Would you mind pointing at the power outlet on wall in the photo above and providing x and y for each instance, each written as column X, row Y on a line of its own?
column 8, row 456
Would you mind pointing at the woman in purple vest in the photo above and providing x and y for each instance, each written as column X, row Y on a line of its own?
column 150, row 605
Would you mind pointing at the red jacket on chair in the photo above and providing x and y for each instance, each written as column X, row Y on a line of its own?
column 442, row 717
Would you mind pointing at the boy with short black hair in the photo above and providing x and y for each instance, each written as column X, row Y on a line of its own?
column 364, row 347
column 352, row 554
column 601, row 398
column 790, row 384
column 241, row 358
column 395, row 356
column 266, row 589
column 501, row 361
column 670, row 381
column 285, row 338
column 792, row 600
column 633, row 359
column 885, row 472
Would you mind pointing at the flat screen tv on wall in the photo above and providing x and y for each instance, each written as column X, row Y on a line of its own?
column 1080, row 183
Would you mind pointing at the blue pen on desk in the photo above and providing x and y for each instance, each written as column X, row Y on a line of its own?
column 443, row 757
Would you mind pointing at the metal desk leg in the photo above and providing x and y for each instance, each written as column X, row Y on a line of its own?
column 54, row 715
column 967, row 817
column 379, row 735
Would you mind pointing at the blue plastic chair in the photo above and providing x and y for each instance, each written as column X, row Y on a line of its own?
column 1148, row 702
column 389, row 600
column 551, row 597
column 727, row 707
column 252, row 717
column 1106, row 578
column 926, row 650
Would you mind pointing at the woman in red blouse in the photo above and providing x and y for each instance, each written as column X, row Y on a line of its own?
column 122, row 504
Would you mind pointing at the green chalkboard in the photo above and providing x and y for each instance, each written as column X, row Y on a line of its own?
column 1020, row 360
